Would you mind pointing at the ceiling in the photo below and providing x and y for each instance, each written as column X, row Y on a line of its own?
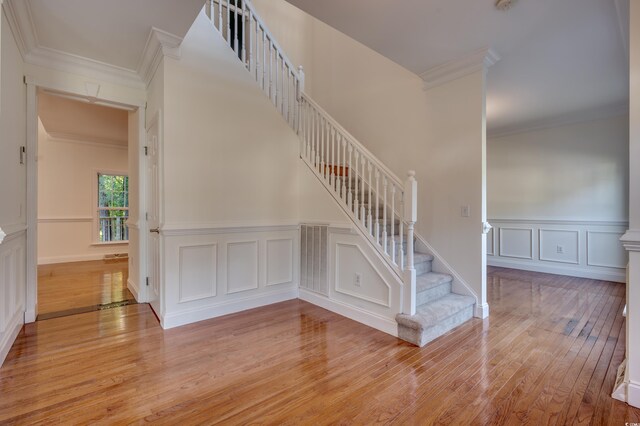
column 110, row 31
column 561, row 60
column 81, row 121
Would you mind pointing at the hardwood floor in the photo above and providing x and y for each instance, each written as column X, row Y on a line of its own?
column 547, row 355
column 67, row 288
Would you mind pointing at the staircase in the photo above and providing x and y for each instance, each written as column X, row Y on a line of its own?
column 381, row 206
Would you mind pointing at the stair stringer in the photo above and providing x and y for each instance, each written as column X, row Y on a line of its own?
column 459, row 285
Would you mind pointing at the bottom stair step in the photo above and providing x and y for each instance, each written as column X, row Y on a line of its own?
column 435, row 318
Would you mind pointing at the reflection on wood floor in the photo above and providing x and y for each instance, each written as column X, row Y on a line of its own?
column 547, row 355
column 70, row 288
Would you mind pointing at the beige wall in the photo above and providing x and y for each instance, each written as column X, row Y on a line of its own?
column 438, row 133
column 67, row 176
column 230, row 158
column 572, row 172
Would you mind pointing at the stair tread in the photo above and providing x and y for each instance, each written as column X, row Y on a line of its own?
column 420, row 257
column 429, row 280
column 431, row 313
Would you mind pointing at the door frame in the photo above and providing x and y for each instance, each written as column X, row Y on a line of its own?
column 33, row 87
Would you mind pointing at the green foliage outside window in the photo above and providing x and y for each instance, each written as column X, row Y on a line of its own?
column 113, row 207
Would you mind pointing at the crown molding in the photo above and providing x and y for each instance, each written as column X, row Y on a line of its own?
column 481, row 59
column 87, row 140
column 159, row 43
column 610, row 111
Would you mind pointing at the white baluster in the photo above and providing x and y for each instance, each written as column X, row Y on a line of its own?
column 350, row 178
column 251, row 33
column 228, row 38
column 264, row 59
column 356, row 203
column 332, row 144
column 377, row 207
column 271, row 88
column 207, row 9
column 244, row 34
column 401, row 233
column 235, row 28
column 363, row 192
column 393, row 222
column 384, row 215
column 344, row 169
column 220, row 16
column 369, row 224
column 322, row 146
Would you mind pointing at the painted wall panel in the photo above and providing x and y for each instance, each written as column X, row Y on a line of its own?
column 242, row 266
column 280, row 258
column 559, row 245
column 198, row 272
column 604, row 249
column 516, row 242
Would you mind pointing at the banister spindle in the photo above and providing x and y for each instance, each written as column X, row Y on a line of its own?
column 228, row 22
column 333, row 157
column 344, row 169
column 355, row 193
column 264, row 59
column 393, row 222
column 250, row 32
column 384, row 215
column 236, row 47
column 220, row 28
column 401, row 233
column 363, row 190
column 410, row 213
column 370, row 202
column 244, row 34
column 377, row 207
column 350, row 178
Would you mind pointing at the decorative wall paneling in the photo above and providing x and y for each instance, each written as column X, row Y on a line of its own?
column 12, row 286
column 575, row 248
column 210, row 272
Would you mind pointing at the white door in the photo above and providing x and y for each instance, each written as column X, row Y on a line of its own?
column 153, row 217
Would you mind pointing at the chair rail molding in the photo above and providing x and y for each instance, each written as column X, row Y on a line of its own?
column 2, row 235
column 631, row 240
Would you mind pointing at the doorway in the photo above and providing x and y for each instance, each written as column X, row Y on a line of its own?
column 84, row 196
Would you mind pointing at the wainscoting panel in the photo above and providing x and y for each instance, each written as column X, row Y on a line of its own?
column 213, row 271
column 516, row 242
column 575, row 248
column 198, row 269
column 12, row 286
column 491, row 242
column 365, row 283
column 279, row 261
column 242, row 266
column 559, row 245
column 604, row 249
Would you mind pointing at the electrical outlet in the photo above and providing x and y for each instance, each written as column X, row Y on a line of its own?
column 357, row 280
column 560, row 249
column 465, row 211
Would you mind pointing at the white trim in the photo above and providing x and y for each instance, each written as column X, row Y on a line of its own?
column 188, row 316
column 541, row 231
column 10, row 334
column 159, row 43
column 603, row 265
column 562, row 222
column 631, row 240
column 616, row 276
column 481, row 59
column 2, row 235
column 87, row 140
column 133, row 288
column 601, row 113
column 622, row 12
column 64, row 219
column 11, row 231
column 386, row 325
column 633, row 394
column 175, row 230
column 531, row 243
column 481, row 311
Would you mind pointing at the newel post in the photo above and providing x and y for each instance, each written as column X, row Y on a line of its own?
column 410, row 217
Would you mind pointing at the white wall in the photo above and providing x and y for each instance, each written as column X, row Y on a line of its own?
column 558, row 199
column 12, row 190
column 438, row 133
column 572, row 172
column 230, row 187
column 67, row 181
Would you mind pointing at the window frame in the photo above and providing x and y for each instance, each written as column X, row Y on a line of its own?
column 95, row 208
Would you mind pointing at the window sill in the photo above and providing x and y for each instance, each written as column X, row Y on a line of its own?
column 111, row 243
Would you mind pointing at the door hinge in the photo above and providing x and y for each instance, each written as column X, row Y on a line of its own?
column 147, row 281
column 146, row 215
column 23, row 154
column 146, row 150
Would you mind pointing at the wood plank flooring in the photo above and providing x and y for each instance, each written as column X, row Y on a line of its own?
column 547, row 355
column 67, row 288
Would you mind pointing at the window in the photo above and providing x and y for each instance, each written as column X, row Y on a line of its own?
column 113, row 208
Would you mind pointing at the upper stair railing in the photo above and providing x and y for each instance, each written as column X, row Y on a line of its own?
column 382, row 207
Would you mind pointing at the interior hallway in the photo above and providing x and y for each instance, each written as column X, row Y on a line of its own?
column 71, row 288
column 547, row 354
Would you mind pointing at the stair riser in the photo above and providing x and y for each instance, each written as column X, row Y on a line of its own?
column 422, row 267
column 433, row 293
column 421, row 338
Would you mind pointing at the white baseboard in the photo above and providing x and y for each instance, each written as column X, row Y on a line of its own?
column 384, row 324
column 11, row 332
column 68, row 259
column 30, row 315
column 481, row 311
column 133, row 288
column 558, row 270
column 633, row 394
column 188, row 316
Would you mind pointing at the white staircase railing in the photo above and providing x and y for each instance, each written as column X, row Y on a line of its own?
column 382, row 207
